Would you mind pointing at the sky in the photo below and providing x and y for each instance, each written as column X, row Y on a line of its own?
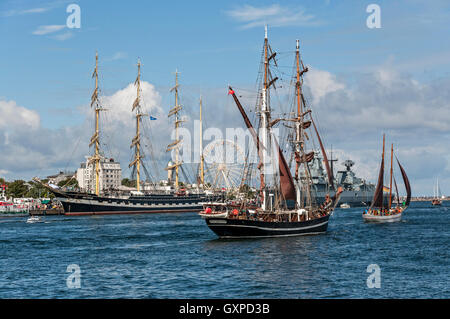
column 362, row 82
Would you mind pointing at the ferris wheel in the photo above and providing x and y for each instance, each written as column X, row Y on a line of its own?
column 224, row 162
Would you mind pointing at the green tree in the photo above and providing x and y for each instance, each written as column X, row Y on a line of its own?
column 38, row 191
column 128, row 182
column 17, row 189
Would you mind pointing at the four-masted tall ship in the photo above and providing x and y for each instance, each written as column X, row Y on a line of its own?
column 272, row 217
column 379, row 211
column 79, row 203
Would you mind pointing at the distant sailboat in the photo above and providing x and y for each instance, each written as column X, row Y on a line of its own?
column 437, row 201
column 378, row 212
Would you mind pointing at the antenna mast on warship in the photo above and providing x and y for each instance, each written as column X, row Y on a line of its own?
column 95, row 139
column 136, row 142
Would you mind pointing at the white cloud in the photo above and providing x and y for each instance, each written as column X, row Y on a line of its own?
column 47, row 29
column 117, row 56
column 63, row 36
column 120, row 103
column 11, row 13
column 383, row 100
column 352, row 114
column 274, row 15
column 34, row 10
column 46, row 151
column 321, row 83
column 14, row 115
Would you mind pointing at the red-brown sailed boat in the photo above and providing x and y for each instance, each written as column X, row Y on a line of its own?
column 271, row 217
column 378, row 211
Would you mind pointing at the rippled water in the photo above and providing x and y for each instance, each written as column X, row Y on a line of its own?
column 177, row 256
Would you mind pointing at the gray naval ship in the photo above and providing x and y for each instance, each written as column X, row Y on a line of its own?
column 357, row 192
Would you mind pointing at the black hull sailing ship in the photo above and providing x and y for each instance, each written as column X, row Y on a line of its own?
column 272, row 217
column 178, row 201
column 245, row 228
column 88, row 204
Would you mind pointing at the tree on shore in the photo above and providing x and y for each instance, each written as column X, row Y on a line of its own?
column 128, row 182
column 17, row 189
column 38, row 191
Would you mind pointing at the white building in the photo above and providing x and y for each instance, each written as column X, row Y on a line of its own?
column 62, row 176
column 110, row 176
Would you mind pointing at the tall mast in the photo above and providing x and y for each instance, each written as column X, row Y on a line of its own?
column 298, row 124
column 202, row 159
column 300, row 145
column 437, row 188
column 390, row 184
column 175, row 111
column 264, row 121
column 95, row 139
column 136, row 142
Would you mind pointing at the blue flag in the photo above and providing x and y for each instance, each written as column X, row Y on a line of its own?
column 152, row 118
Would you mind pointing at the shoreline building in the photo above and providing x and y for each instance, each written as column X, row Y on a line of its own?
column 62, row 176
column 110, row 175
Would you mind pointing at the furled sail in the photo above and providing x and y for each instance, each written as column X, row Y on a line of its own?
column 246, row 120
column 308, row 157
column 407, row 185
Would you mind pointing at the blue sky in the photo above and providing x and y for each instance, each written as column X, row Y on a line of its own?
column 202, row 39
column 214, row 43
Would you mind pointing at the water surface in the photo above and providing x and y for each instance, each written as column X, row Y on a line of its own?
column 177, row 256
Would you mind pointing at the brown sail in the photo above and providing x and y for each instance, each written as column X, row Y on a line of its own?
column 377, row 200
column 407, row 185
column 396, row 192
column 378, row 196
column 286, row 180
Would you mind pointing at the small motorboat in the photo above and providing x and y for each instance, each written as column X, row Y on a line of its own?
column 344, row 206
column 33, row 219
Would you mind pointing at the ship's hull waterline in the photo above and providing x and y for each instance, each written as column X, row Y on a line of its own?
column 238, row 228
column 382, row 219
column 79, row 207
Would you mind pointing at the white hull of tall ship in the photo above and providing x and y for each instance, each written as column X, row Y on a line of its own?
column 382, row 218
